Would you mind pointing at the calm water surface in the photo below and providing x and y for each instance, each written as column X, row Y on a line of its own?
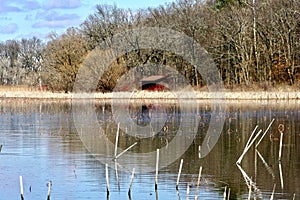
column 40, row 142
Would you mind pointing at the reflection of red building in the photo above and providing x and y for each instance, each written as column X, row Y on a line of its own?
column 152, row 83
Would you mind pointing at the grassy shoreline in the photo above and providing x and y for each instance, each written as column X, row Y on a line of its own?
column 205, row 95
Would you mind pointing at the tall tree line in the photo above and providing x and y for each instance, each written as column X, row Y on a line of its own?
column 21, row 62
column 251, row 41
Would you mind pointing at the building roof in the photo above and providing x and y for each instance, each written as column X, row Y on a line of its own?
column 154, row 79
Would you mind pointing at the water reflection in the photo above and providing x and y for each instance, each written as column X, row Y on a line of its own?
column 167, row 127
column 41, row 143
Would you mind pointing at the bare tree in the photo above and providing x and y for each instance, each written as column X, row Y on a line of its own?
column 63, row 57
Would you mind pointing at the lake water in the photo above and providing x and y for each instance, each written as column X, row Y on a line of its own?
column 43, row 141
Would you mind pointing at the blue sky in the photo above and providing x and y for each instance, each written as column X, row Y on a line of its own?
column 28, row 18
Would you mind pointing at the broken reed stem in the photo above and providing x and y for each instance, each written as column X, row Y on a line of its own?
column 117, row 138
column 198, row 182
column 107, row 179
column 280, row 146
column 224, row 194
column 280, row 174
column 125, row 150
column 131, row 181
column 250, row 189
column 228, row 196
column 280, row 129
column 252, row 134
column 156, row 171
column 272, row 196
column 264, row 133
column 49, row 190
column 179, row 172
column 21, row 188
column 248, row 145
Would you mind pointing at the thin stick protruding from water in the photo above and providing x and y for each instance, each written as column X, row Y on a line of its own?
column 49, row 190
column 248, row 145
column 156, row 171
column 21, row 188
column 224, row 194
column 281, row 129
column 179, row 172
column 272, row 196
column 125, row 150
column 264, row 133
column 107, row 179
column 131, row 181
column 198, row 182
column 117, row 139
column 228, row 196
column 250, row 190
column 280, row 175
column 252, row 134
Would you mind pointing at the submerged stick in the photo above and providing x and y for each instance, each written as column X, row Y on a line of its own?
column 131, row 181
column 264, row 133
column 125, row 150
column 269, row 169
column 178, row 194
column 198, row 182
column 49, row 190
column 187, row 191
column 117, row 175
column 107, row 179
column 117, row 138
column 21, row 188
column 179, row 172
column 156, row 171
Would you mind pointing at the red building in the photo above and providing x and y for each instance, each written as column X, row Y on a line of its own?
column 152, row 83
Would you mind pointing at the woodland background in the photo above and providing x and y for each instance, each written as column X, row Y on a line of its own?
column 254, row 43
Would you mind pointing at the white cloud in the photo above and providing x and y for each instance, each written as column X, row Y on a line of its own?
column 31, row 5
column 5, row 8
column 53, row 4
column 9, row 28
column 53, row 15
column 56, row 24
column 52, row 19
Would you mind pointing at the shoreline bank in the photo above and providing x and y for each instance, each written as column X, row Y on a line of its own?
column 227, row 95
